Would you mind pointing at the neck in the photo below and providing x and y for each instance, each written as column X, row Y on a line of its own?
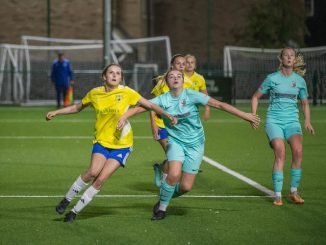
column 109, row 88
column 189, row 73
column 176, row 91
column 287, row 71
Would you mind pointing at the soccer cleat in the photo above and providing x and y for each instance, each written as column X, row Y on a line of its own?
column 61, row 207
column 157, row 175
column 278, row 201
column 296, row 199
column 70, row 217
column 158, row 214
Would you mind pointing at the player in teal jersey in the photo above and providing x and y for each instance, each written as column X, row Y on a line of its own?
column 285, row 87
column 186, row 138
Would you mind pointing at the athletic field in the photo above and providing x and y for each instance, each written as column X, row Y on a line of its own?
column 229, row 204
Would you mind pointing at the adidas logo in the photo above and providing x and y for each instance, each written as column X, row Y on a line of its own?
column 119, row 155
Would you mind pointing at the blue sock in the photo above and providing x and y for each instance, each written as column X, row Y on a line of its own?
column 295, row 177
column 177, row 192
column 277, row 181
column 166, row 193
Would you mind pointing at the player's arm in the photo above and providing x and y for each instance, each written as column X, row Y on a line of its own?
column 250, row 117
column 306, row 112
column 144, row 105
column 67, row 110
column 207, row 108
column 154, row 127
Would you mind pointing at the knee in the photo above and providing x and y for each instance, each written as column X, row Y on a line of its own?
column 172, row 178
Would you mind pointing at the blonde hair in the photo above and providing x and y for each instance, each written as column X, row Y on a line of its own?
column 162, row 77
column 299, row 66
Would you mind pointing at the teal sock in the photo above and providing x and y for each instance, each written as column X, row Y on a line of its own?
column 177, row 192
column 277, row 181
column 166, row 193
column 295, row 177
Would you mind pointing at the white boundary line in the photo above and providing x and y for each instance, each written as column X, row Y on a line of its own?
column 239, row 176
column 131, row 196
column 60, row 137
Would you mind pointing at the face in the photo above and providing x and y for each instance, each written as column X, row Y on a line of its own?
column 174, row 79
column 190, row 64
column 288, row 57
column 113, row 76
column 179, row 64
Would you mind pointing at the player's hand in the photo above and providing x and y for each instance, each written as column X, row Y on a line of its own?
column 155, row 132
column 50, row 115
column 121, row 122
column 309, row 128
column 173, row 120
column 254, row 120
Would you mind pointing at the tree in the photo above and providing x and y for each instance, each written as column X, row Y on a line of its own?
column 274, row 24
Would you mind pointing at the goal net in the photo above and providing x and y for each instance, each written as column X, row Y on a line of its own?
column 248, row 67
column 25, row 69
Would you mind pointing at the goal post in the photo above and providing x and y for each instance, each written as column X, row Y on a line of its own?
column 26, row 68
column 249, row 66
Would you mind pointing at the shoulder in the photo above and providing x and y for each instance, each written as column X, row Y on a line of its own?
column 199, row 75
column 273, row 75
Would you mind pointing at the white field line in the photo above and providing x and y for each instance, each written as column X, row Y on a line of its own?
column 131, row 121
column 131, row 196
column 239, row 176
column 59, row 137
column 206, row 159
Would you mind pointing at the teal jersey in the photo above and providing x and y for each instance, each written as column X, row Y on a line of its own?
column 189, row 129
column 284, row 93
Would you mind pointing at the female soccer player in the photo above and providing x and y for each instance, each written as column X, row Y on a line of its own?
column 186, row 139
column 178, row 62
column 198, row 81
column 111, row 146
column 284, row 87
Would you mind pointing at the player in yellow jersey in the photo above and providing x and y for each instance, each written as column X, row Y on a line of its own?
column 198, row 81
column 111, row 146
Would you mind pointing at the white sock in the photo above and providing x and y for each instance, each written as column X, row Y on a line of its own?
column 162, row 207
column 76, row 187
column 278, row 194
column 294, row 189
column 85, row 199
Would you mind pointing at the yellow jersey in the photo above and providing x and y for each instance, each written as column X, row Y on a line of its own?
column 161, row 88
column 109, row 107
column 198, row 82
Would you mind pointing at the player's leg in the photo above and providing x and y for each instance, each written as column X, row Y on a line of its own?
column 295, row 142
column 116, row 159
column 167, row 190
column 275, row 134
column 175, row 155
column 190, row 168
column 96, row 165
column 161, row 170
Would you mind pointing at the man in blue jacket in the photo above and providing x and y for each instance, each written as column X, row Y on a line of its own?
column 61, row 76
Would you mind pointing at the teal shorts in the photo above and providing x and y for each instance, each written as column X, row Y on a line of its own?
column 189, row 156
column 282, row 130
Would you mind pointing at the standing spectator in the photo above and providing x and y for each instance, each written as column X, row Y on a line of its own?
column 61, row 76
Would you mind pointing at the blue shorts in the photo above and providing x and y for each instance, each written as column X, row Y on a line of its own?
column 190, row 156
column 162, row 134
column 120, row 155
column 282, row 130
